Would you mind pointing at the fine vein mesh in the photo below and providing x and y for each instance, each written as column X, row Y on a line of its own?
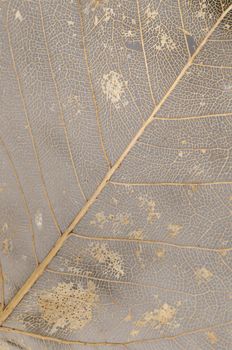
column 115, row 115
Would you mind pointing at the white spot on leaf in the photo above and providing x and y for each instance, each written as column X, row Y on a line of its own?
column 39, row 219
column 113, row 86
column 18, row 16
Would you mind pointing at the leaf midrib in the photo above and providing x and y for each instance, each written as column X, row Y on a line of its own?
column 58, row 245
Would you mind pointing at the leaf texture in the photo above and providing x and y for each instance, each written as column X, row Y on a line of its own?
column 115, row 181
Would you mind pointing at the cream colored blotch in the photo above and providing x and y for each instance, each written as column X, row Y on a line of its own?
column 67, row 306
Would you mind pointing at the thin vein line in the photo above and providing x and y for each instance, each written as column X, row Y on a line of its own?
column 220, row 40
column 144, row 53
column 183, row 28
column 2, row 292
column 184, row 149
column 170, row 183
column 28, row 122
column 39, row 271
column 222, row 6
column 211, row 66
column 92, row 88
column 195, row 117
column 89, row 277
column 225, row 264
column 149, row 241
column 24, row 199
column 139, row 341
column 59, row 103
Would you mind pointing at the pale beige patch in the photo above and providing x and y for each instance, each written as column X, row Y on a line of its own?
column 203, row 275
column 108, row 13
column 158, row 318
column 18, row 16
column 121, row 218
column 160, row 253
column 223, row 252
column 4, row 346
column 134, row 332
column 5, row 227
column 128, row 317
column 202, row 10
column 212, row 337
column 113, row 86
column 100, row 219
column 39, row 219
column 128, row 34
column 70, row 23
column 67, row 306
column 7, row 246
column 137, row 234
column 150, row 14
column 112, row 262
column 138, row 254
column 165, row 41
column 174, row 229
column 149, row 205
column 194, row 188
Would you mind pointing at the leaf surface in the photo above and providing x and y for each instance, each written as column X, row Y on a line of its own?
column 115, row 179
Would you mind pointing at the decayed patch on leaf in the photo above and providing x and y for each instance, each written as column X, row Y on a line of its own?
column 101, row 219
column 150, row 14
column 137, row 234
column 164, row 316
column 165, row 40
column 160, row 253
column 174, row 229
column 7, row 246
column 203, row 10
column 149, row 205
column 203, row 275
column 128, row 317
column 113, row 86
column 112, row 262
column 68, row 306
column 212, row 337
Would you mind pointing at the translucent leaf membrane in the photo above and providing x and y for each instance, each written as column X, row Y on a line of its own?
column 217, row 336
column 120, row 76
column 115, row 154
column 192, row 214
column 115, row 289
